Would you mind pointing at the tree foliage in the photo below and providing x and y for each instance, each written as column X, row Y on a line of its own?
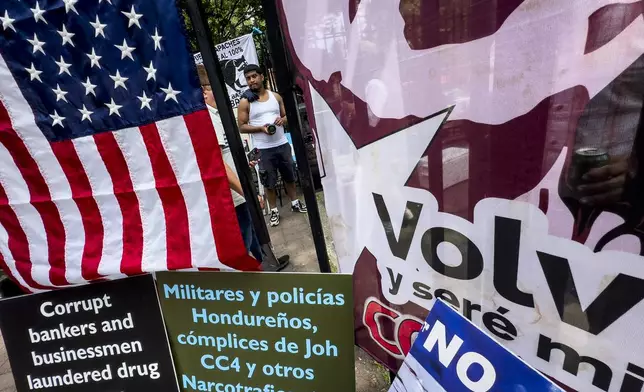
column 228, row 19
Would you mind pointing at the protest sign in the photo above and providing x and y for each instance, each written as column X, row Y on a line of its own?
column 198, row 58
column 100, row 337
column 517, row 188
column 233, row 56
column 260, row 332
column 452, row 354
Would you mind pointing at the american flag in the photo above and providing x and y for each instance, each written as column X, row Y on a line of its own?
column 109, row 162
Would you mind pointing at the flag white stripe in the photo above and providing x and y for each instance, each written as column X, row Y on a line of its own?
column 22, row 120
column 131, row 143
column 12, row 181
column 74, row 239
column 178, row 147
column 116, row 276
column 29, row 218
column 108, row 206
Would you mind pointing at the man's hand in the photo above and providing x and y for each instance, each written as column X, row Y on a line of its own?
column 252, row 164
column 261, row 201
column 280, row 121
column 265, row 129
column 604, row 185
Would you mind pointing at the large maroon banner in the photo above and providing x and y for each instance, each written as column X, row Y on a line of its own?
column 486, row 153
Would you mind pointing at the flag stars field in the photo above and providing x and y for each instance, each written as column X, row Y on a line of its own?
column 98, row 59
column 108, row 128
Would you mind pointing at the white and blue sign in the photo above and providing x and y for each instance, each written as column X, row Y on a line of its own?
column 452, row 354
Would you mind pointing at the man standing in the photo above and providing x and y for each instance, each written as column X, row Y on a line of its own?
column 248, row 233
column 261, row 113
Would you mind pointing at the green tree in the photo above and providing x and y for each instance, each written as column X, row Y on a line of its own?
column 228, row 19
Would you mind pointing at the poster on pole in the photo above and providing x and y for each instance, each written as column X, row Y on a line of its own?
column 102, row 337
column 234, row 55
column 260, row 332
column 452, row 354
column 496, row 163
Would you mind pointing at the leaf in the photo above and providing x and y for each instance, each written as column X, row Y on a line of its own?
column 227, row 19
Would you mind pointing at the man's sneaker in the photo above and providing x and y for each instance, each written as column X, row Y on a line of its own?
column 272, row 266
column 283, row 262
column 275, row 218
column 299, row 207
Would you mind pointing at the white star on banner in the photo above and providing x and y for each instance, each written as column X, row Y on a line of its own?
column 100, row 1
column 157, row 39
column 145, row 101
column 94, row 59
column 152, row 72
column 119, row 80
column 89, row 87
column 60, row 93
column 99, row 28
column 38, row 13
column 66, row 36
column 133, row 17
column 69, row 5
column 63, row 66
column 170, row 93
column 58, row 120
column 371, row 172
column 7, row 22
column 34, row 73
column 126, row 51
column 86, row 114
column 114, row 108
column 38, row 45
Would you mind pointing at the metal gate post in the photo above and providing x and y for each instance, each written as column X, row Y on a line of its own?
column 285, row 85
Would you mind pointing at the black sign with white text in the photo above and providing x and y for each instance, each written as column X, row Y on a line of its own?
column 100, row 337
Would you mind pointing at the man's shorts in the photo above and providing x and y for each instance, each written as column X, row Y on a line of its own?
column 273, row 159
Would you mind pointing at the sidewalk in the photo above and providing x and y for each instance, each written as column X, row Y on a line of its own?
column 293, row 237
column 6, row 379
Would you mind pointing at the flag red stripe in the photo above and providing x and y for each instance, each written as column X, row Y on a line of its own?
column 18, row 243
column 116, row 166
column 90, row 214
column 174, row 206
column 230, row 246
column 39, row 197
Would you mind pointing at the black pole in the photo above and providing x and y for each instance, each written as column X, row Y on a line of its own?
column 266, row 55
column 220, row 91
column 286, row 88
column 269, row 63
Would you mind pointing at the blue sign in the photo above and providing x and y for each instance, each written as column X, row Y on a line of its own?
column 452, row 354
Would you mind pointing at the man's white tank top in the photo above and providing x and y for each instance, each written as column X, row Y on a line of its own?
column 262, row 113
